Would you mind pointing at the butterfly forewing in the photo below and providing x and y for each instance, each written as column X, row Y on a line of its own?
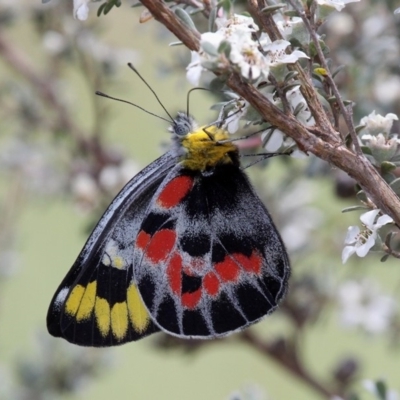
column 98, row 303
column 208, row 258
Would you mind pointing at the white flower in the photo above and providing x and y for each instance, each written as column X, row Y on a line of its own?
column 275, row 140
column 276, row 52
column 246, row 56
column 231, row 121
column 81, row 9
column 194, row 69
column 213, row 38
column 382, row 149
column 361, row 242
column 244, row 53
column 376, row 123
column 363, row 305
column 287, row 25
column 237, row 24
column 338, row 4
column 295, row 98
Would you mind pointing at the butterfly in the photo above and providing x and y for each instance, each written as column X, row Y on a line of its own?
column 187, row 248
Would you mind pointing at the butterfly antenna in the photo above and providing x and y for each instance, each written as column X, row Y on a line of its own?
column 188, row 96
column 130, row 65
column 132, row 104
column 264, row 156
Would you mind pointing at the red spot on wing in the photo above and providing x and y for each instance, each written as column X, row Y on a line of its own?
column 175, row 191
column 161, row 244
column 174, row 273
column 211, row 284
column 251, row 264
column 142, row 240
column 190, row 300
column 228, row 270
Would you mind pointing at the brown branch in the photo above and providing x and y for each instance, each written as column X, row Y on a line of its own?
column 307, row 89
column 166, row 17
column 347, row 115
column 285, row 354
column 310, row 140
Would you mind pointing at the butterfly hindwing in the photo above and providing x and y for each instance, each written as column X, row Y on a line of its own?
column 98, row 303
column 208, row 258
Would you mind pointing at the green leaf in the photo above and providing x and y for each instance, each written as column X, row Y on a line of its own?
column 337, row 70
column 185, row 18
column 209, row 49
column 217, row 84
column 362, row 196
column 291, row 13
column 211, row 19
column 225, row 47
column 395, row 185
column 387, row 166
column 226, row 5
column 381, row 389
column 272, row 9
column 366, row 150
column 100, row 9
column 290, row 75
column 209, row 65
column 172, row 44
column 354, row 208
column 291, row 86
column 359, row 128
column 385, row 257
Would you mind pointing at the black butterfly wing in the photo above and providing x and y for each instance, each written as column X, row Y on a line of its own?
column 210, row 259
column 98, row 303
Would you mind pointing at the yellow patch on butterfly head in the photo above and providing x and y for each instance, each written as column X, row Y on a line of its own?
column 204, row 149
column 103, row 315
column 87, row 302
column 119, row 320
column 138, row 314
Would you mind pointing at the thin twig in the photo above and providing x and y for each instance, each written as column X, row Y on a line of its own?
column 330, row 150
column 346, row 112
column 285, row 354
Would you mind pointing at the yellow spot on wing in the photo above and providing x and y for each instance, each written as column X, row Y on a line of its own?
column 118, row 262
column 87, row 302
column 103, row 317
column 119, row 320
column 137, row 311
column 74, row 300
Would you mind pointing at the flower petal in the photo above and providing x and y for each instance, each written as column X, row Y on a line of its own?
column 352, row 233
column 383, row 220
column 368, row 218
column 363, row 250
column 347, row 252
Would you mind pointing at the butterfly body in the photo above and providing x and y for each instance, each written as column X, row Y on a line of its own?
column 187, row 247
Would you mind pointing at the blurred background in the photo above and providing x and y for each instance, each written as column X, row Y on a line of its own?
column 65, row 153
